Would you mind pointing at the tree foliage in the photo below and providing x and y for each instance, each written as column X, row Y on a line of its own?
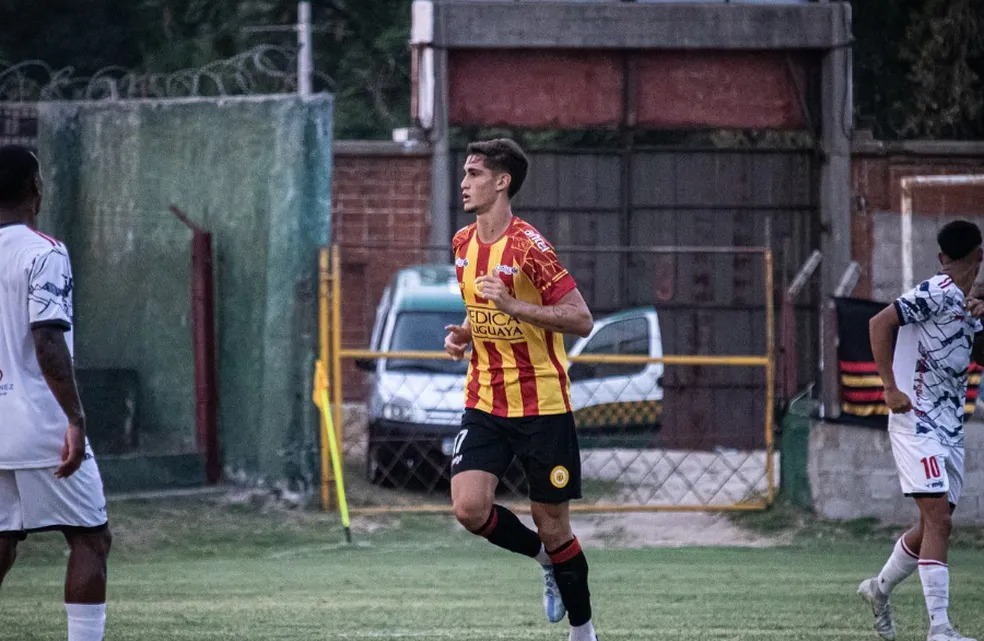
column 918, row 64
column 360, row 47
column 919, row 67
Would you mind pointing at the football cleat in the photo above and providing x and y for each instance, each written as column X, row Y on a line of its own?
column 868, row 590
column 553, row 604
column 946, row 632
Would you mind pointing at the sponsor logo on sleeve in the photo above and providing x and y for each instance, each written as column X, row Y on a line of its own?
column 537, row 240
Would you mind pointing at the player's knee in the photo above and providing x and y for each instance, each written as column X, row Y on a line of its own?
column 95, row 544
column 106, row 541
column 941, row 524
column 472, row 514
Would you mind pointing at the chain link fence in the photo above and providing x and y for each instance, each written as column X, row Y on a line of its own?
column 658, row 430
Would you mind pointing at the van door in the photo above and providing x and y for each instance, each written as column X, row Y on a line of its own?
column 619, row 403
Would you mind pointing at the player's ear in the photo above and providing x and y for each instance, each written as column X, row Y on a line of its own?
column 503, row 181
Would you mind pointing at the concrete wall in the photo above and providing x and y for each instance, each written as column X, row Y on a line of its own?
column 876, row 172
column 852, row 475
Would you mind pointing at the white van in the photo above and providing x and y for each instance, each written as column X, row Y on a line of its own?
column 415, row 406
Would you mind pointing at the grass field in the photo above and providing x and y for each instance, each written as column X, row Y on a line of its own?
column 209, row 569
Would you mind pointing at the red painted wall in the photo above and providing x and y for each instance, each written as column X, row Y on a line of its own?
column 579, row 89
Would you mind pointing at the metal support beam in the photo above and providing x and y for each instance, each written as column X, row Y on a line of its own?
column 627, row 25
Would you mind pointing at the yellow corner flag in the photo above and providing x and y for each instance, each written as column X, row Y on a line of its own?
column 321, row 401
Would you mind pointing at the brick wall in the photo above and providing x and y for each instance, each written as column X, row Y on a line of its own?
column 876, row 172
column 381, row 221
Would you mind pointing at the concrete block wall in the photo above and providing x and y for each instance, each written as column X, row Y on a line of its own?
column 852, row 475
column 877, row 169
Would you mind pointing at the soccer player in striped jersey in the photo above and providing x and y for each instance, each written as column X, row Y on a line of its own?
column 520, row 302
column 48, row 477
column 939, row 332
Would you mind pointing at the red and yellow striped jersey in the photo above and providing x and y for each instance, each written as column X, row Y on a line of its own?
column 516, row 369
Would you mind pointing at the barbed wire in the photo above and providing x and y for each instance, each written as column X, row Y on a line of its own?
column 264, row 69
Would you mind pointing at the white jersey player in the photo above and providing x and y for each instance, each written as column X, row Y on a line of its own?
column 48, row 476
column 939, row 333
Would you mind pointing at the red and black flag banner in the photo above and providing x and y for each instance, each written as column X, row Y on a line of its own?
column 862, row 396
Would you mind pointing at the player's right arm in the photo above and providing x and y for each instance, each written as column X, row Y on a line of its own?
column 881, row 329
column 56, row 365
column 458, row 339
column 50, row 315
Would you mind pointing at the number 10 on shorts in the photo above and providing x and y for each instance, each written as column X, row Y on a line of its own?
column 931, row 465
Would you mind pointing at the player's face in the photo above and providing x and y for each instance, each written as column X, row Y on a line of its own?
column 479, row 187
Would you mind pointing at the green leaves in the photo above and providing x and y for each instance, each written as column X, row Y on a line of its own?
column 919, row 68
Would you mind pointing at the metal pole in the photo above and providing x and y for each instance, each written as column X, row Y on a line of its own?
column 907, row 271
column 324, row 277
column 770, row 377
column 304, row 63
column 336, row 345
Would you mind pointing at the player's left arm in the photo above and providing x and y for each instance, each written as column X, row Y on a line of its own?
column 568, row 315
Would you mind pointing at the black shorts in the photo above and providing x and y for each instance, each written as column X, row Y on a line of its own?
column 546, row 447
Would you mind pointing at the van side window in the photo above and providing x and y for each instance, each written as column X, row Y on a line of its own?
column 630, row 336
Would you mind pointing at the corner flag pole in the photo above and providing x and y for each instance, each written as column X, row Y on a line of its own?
column 336, row 463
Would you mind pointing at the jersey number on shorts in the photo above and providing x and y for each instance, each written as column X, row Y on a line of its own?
column 458, row 440
column 931, row 465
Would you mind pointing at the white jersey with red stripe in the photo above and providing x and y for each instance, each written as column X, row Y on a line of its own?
column 932, row 356
column 35, row 290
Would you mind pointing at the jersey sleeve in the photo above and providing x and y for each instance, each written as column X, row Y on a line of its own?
column 50, row 290
column 919, row 304
column 542, row 266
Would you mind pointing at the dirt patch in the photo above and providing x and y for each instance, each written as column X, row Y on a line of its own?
column 667, row 529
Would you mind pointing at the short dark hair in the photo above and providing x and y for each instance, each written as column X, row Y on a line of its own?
column 958, row 238
column 18, row 167
column 504, row 155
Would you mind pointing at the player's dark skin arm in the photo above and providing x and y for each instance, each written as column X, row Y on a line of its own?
column 56, row 365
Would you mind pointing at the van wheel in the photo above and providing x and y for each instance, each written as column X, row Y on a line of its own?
column 376, row 468
column 374, row 471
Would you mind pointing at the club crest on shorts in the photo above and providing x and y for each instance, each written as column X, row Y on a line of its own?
column 559, row 477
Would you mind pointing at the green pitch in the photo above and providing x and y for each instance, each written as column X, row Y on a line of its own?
column 192, row 570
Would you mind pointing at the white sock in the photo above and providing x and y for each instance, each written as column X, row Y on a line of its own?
column 583, row 632
column 935, row 577
column 900, row 565
column 542, row 557
column 86, row 621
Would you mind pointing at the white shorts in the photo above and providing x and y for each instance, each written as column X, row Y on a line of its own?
column 34, row 500
column 927, row 467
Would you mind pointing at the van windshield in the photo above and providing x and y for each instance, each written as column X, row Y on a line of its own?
column 424, row 331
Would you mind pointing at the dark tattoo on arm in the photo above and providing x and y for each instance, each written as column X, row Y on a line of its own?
column 59, row 372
